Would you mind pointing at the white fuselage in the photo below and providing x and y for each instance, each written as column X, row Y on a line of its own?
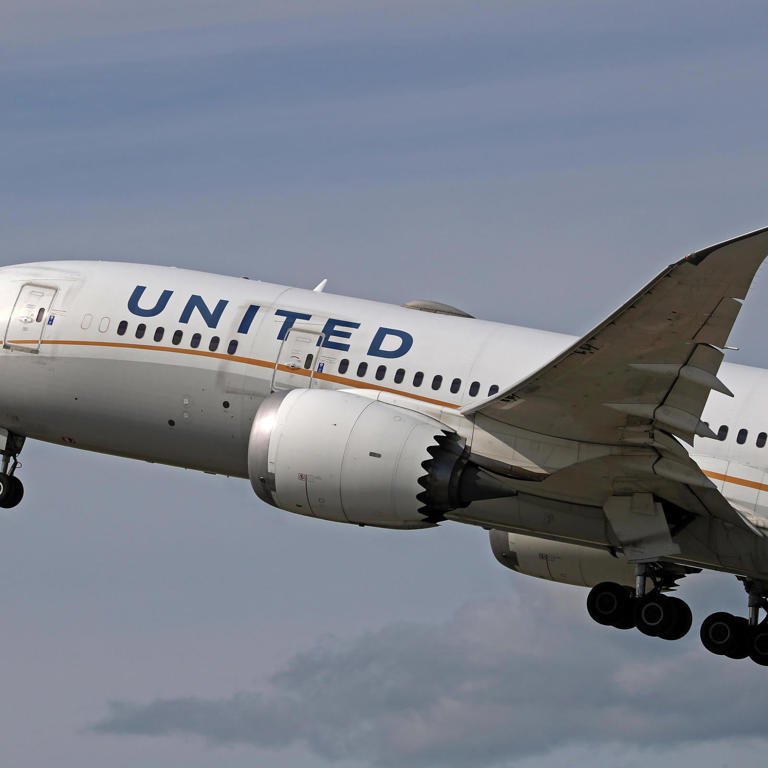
column 174, row 372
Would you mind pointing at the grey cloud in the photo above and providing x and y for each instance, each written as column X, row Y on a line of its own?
column 495, row 682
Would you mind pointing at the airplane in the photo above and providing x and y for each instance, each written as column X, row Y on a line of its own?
column 623, row 460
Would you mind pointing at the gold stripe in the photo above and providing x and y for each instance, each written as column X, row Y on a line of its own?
column 323, row 376
column 239, row 359
column 736, row 480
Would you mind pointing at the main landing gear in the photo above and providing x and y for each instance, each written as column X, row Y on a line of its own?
column 652, row 612
column 736, row 637
column 11, row 489
column 659, row 615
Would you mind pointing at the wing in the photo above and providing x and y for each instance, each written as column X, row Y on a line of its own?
column 651, row 364
column 641, row 376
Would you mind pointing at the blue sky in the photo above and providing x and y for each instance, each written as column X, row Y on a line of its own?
column 533, row 163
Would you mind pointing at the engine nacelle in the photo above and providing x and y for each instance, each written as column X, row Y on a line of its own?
column 341, row 456
column 558, row 561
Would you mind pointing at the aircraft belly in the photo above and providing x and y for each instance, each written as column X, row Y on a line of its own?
column 171, row 414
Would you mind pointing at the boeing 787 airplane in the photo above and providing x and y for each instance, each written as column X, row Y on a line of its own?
column 622, row 461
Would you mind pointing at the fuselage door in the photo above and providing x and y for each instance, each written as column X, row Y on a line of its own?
column 297, row 359
column 29, row 318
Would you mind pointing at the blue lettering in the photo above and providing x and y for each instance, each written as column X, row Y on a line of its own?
column 196, row 303
column 406, row 342
column 160, row 305
column 245, row 323
column 330, row 329
column 290, row 319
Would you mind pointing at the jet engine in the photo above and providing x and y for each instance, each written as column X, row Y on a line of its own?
column 559, row 561
column 341, row 456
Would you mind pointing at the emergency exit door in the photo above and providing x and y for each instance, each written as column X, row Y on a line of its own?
column 29, row 318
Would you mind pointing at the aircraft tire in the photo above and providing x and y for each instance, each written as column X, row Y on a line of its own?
column 654, row 614
column 758, row 645
column 626, row 618
column 743, row 644
column 721, row 633
column 682, row 618
column 610, row 604
column 11, row 491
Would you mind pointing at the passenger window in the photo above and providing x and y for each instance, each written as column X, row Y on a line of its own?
column 213, row 344
column 381, row 372
column 455, row 386
column 194, row 342
column 474, row 388
column 399, row 375
column 122, row 328
column 140, row 330
column 307, row 361
column 437, row 382
column 494, row 388
column 418, row 377
column 85, row 323
column 761, row 438
column 741, row 438
column 361, row 369
column 103, row 325
column 40, row 313
column 159, row 334
column 722, row 433
column 343, row 365
column 232, row 348
column 177, row 337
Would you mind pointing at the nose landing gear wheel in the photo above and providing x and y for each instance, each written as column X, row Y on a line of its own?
column 11, row 490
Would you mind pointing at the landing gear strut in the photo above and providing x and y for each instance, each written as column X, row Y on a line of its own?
column 652, row 612
column 736, row 637
column 11, row 489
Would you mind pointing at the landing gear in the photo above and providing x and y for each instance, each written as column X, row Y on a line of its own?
column 658, row 615
column 652, row 612
column 758, row 647
column 610, row 604
column 11, row 489
column 725, row 635
column 736, row 637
